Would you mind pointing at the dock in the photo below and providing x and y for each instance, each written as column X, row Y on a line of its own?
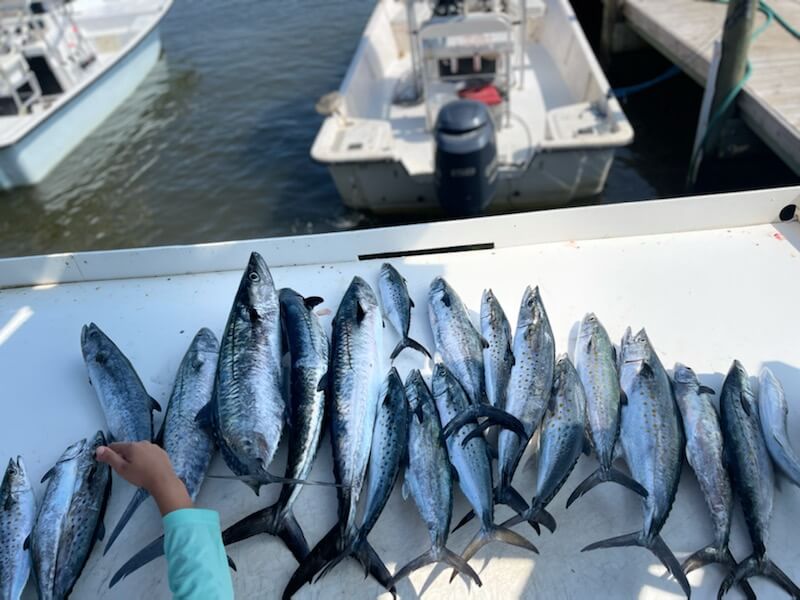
column 684, row 31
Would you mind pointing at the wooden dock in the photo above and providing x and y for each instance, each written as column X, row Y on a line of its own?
column 685, row 30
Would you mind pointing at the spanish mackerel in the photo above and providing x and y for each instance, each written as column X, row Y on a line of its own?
column 472, row 463
column 189, row 446
column 17, row 516
column 561, row 440
column 248, row 410
column 397, row 305
column 430, row 480
column 596, row 363
column 704, row 451
column 653, row 443
column 308, row 352
column 70, row 519
column 355, row 383
column 752, row 476
column 127, row 407
column 498, row 358
column 773, row 411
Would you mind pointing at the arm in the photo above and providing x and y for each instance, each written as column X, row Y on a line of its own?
column 196, row 561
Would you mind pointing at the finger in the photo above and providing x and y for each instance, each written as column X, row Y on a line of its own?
column 124, row 449
column 108, row 456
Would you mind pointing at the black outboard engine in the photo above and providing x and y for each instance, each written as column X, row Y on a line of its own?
column 466, row 158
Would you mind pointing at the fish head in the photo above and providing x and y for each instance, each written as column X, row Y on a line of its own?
column 766, row 378
column 15, row 479
column 531, row 309
column 256, row 288
column 439, row 379
column 589, row 325
column 358, row 301
column 736, row 388
column 683, row 374
column 96, row 346
column 636, row 348
column 389, row 273
column 416, row 389
column 441, row 293
column 489, row 305
column 205, row 342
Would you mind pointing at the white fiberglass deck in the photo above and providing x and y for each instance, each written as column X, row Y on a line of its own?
column 712, row 279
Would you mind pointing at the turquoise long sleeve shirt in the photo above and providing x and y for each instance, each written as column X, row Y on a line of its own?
column 197, row 565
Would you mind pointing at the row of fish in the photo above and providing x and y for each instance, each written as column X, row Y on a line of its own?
column 242, row 397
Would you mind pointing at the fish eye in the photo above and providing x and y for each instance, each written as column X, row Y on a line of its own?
column 254, row 276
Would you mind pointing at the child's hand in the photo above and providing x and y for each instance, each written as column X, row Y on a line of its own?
column 147, row 466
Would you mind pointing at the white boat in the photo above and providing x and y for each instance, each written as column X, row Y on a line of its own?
column 556, row 123
column 65, row 66
column 712, row 278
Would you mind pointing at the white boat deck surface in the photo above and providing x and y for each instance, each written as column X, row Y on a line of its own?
column 712, row 279
column 685, row 30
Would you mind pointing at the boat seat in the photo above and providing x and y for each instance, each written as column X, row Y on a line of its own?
column 576, row 121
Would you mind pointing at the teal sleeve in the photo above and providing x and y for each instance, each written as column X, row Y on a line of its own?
column 196, row 562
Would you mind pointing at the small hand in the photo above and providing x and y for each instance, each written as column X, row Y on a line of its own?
column 147, row 466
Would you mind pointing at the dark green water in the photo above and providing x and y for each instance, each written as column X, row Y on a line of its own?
column 214, row 144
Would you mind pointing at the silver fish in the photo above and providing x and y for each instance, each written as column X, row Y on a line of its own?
column 70, row 519
column 189, row 446
column 704, row 451
column 561, row 441
column 308, row 351
column 355, row 380
column 126, row 404
column 248, row 411
column 429, row 478
column 472, row 463
column 596, row 363
column 498, row 357
column 529, row 388
column 397, row 305
column 17, row 516
column 752, row 476
column 653, row 443
column 457, row 341
column 773, row 410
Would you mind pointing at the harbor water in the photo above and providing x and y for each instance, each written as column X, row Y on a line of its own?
column 214, row 145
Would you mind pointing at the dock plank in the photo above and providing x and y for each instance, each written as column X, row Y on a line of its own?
column 685, row 31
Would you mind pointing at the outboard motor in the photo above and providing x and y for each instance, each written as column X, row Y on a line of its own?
column 466, row 158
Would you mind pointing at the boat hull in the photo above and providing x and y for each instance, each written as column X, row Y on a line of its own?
column 553, row 179
column 29, row 160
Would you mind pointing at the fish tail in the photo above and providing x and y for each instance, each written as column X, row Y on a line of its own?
column 435, row 555
column 494, row 416
column 754, row 565
column 373, row 565
column 147, row 554
column 720, row 555
column 273, row 520
column 512, row 498
column 656, row 545
column 139, row 497
column 409, row 343
column 601, row 475
column 497, row 533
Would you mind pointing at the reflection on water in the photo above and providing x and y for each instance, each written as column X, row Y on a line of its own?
column 214, row 145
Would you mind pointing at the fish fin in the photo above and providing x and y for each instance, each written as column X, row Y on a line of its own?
column 711, row 554
column 408, row 343
column 752, row 566
column 373, row 564
column 464, row 520
column 27, row 543
column 614, row 354
column 404, row 491
column 623, row 398
column 154, row 405
column 101, row 530
column 511, row 354
column 270, row 521
column 138, row 497
column 205, row 417
column 322, row 386
column 745, row 405
column 656, row 546
column 589, row 344
column 495, row 415
column 324, row 552
column 496, row 534
column 147, row 554
column 551, row 404
column 587, row 445
column 434, row 556
column 50, row 472
column 411, row 301
column 704, row 389
column 646, row 369
column 484, row 342
column 231, row 564
column 446, row 299
column 312, row 301
column 620, row 478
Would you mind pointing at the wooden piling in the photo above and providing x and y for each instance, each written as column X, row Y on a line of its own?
column 611, row 14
